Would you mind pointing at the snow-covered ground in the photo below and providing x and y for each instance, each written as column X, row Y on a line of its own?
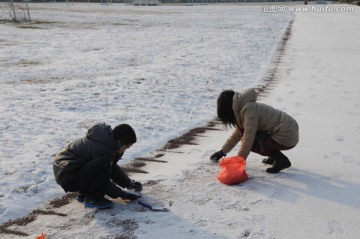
column 159, row 69
column 316, row 81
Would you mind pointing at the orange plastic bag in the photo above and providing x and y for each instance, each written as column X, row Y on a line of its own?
column 42, row 236
column 232, row 170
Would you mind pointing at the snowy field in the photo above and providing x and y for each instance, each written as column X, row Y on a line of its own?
column 178, row 61
column 160, row 69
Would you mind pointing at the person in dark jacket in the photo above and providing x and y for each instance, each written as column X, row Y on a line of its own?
column 261, row 128
column 89, row 166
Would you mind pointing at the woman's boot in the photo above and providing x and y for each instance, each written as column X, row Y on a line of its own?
column 281, row 162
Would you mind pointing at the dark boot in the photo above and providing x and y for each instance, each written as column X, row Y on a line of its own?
column 281, row 162
column 99, row 203
column 269, row 160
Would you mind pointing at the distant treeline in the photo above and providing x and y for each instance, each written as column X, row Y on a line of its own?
column 162, row 1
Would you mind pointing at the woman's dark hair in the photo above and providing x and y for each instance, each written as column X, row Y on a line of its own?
column 225, row 111
column 125, row 134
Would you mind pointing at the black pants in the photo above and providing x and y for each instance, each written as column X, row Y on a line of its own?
column 265, row 145
column 92, row 179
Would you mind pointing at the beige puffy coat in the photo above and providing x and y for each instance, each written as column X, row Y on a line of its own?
column 253, row 117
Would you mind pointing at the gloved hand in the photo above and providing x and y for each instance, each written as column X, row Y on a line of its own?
column 130, row 196
column 137, row 186
column 217, row 156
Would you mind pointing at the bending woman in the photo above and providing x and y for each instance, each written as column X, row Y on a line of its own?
column 261, row 128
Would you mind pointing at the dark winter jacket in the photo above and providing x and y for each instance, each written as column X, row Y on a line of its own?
column 98, row 143
column 253, row 117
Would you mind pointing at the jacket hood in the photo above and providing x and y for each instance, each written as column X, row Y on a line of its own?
column 242, row 98
column 102, row 133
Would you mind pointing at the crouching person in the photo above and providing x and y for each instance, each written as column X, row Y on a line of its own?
column 261, row 128
column 89, row 166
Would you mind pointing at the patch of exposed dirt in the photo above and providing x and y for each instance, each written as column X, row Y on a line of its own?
column 59, row 202
column 270, row 77
column 189, row 137
column 23, row 221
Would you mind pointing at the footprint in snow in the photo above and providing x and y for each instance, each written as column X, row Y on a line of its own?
column 348, row 159
column 201, row 223
column 336, row 175
column 279, row 193
column 339, row 138
column 334, row 227
column 261, row 201
column 246, row 233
